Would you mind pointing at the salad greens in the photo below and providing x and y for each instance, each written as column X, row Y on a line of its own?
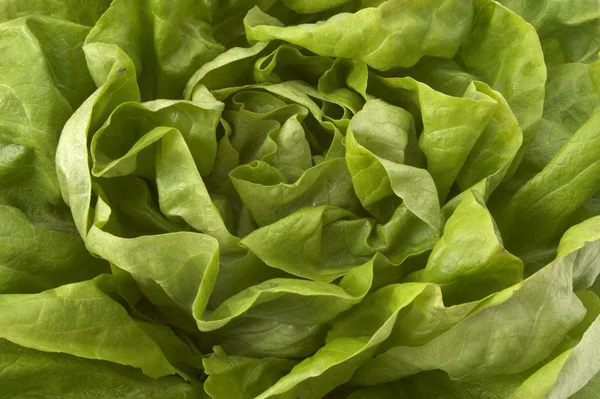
column 300, row 199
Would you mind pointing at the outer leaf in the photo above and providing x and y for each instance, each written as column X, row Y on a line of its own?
column 347, row 348
column 572, row 95
column 572, row 369
column 164, row 53
column 546, row 202
column 380, row 32
column 34, row 107
column 30, row 373
column 184, row 265
column 84, row 12
column 568, row 32
column 73, row 319
column 485, row 342
column 35, row 259
column 437, row 384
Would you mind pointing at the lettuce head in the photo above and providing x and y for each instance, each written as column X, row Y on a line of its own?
column 300, row 199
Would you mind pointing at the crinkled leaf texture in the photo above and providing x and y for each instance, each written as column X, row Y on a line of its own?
column 300, row 199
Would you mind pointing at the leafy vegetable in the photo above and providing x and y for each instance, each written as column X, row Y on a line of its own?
column 300, row 199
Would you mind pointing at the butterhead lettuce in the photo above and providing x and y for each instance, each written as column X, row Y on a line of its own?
column 362, row 199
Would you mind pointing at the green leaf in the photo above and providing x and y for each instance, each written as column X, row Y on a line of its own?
column 349, row 345
column 379, row 31
column 164, row 53
column 375, row 158
column 36, row 259
column 30, row 373
column 84, row 12
column 34, row 106
column 74, row 318
column 241, row 377
column 269, row 196
column 262, row 338
column 469, row 261
column 293, row 301
column 568, row 32
column 546, row 202
column 484, row 341
column 315, row 251
column 572, row 369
